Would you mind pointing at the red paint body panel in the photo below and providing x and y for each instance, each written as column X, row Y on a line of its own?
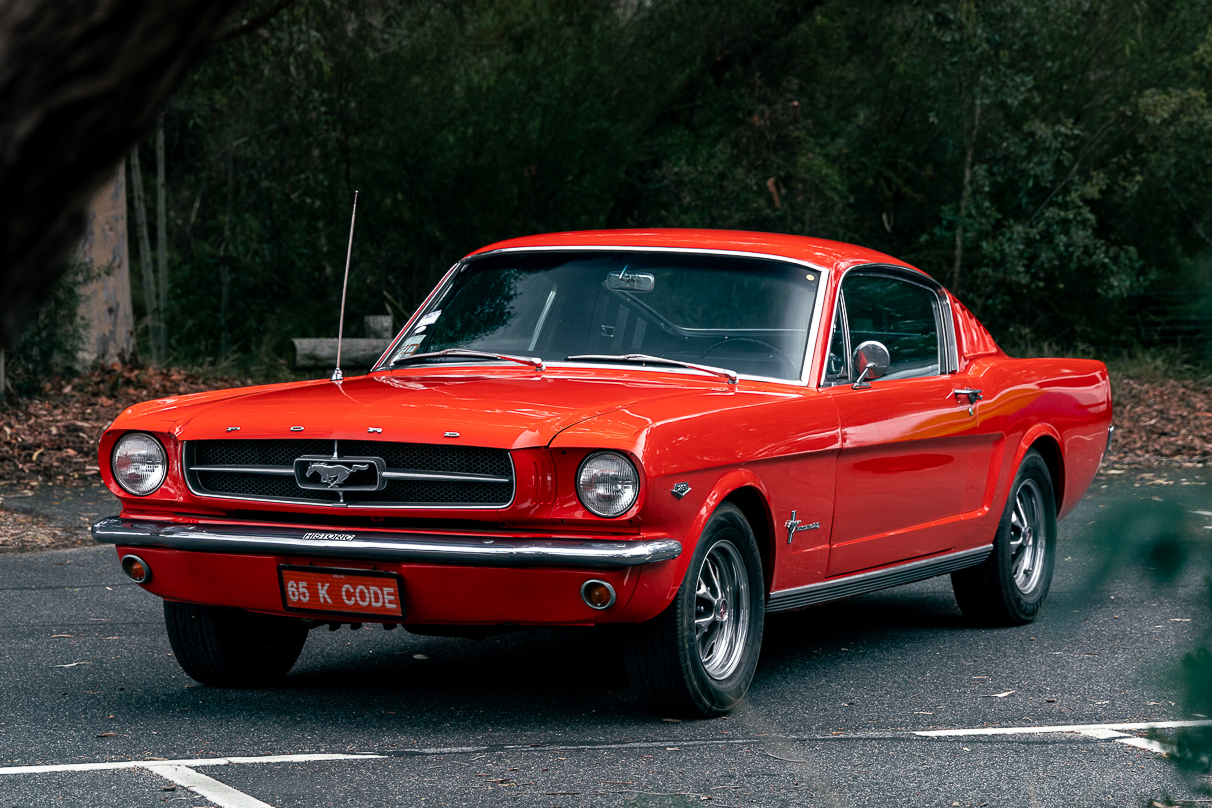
column 433, row 594
column 887, row 474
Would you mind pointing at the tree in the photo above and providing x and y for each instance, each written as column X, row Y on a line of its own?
column 80, row 81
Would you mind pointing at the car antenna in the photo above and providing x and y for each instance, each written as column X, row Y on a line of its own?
column 336, row 374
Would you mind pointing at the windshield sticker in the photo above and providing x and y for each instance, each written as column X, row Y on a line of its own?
column 431, row 318
column 409, row 347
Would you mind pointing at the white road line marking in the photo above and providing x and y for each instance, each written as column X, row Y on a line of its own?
column 1103, row 734
column 1083, row 728
column 134, row 764
column 1145, row 743
column 220, row 794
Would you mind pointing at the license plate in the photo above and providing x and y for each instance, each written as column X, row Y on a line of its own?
column 363, row 593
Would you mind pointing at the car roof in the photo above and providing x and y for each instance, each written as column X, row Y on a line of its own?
column 822, row 253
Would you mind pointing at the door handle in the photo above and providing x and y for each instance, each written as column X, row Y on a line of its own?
column 973, row 395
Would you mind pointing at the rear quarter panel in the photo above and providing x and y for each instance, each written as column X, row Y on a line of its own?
column 1063, row 401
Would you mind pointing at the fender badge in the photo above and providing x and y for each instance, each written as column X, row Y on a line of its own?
column 680, row 490
column 233, row 429
column 793, row 526
column 374, row 429
column 296, row 429
column 450, row 434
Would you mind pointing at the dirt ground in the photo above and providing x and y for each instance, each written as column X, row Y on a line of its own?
column 26, row 533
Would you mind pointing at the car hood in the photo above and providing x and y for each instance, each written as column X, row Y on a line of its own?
column 504, row 408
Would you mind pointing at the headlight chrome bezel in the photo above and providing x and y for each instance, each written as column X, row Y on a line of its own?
column 152, row 446
column 585, row 487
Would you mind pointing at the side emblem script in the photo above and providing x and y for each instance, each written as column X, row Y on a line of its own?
column 794, row 526
column 333, row 474
column 341, row 474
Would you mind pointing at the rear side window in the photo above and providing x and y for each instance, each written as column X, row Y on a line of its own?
column 901, row 315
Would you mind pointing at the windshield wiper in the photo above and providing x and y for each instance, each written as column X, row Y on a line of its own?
column 730, row 375
column 533, row 361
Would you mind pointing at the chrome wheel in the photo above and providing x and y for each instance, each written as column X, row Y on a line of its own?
column 721, row 610
column 1028, row 539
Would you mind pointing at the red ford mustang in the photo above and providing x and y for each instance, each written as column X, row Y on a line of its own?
column 681, row 431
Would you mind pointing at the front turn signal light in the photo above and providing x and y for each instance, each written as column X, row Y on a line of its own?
column 136, row 569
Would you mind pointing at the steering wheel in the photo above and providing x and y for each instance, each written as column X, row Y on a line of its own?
column 734, row 340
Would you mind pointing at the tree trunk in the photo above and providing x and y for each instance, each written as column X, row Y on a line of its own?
column 149, row 278
column 224, row 269
column 105, row 307
column 953, row 280
column 162, row 239
column 80, row 82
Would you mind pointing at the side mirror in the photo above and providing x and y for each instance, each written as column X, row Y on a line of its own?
column 872, row 360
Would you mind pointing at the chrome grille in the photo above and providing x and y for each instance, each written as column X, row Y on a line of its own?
column 416, row 475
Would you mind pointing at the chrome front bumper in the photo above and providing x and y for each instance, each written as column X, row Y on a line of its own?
column 495, row 551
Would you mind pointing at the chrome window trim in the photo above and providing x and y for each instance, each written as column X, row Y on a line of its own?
column 805, row 379
column 944, row 319
column 439, row 287
column 437, row 506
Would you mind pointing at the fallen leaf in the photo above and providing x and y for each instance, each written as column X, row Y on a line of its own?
column 71, row 664
column 1180, row 619
column 107, row 734
column 61, row 635
column 419, row 656
column 996, row 695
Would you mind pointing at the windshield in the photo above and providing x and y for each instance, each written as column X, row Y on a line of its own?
column 750, row 315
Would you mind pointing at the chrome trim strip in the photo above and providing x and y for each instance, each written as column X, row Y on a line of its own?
column 496, row 551
column 816, row 333
column 436, row 506
column 787, row 599
column 448, row 476
column 285, row 471
column 288, row 471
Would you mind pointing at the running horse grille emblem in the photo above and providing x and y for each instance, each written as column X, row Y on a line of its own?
column 340, row 474
column 333, row 474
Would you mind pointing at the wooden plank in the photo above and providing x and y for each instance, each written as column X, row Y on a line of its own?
column 322, row 352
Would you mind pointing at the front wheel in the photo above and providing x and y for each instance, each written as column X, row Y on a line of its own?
column 1009, row 588
column 231, row 647
column 697, row 657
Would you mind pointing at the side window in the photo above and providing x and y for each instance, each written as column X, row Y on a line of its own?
column 899, row 314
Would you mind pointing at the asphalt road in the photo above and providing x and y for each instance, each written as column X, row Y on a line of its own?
column 87, row 676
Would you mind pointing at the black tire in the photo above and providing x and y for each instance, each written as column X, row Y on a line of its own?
column 231, row 647
column 663, row 656
column 998, row 593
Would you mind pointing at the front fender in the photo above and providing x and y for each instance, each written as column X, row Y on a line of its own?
column 659, row 583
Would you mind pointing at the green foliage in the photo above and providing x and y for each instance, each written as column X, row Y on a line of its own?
column 49, row 343
column 1047, row 159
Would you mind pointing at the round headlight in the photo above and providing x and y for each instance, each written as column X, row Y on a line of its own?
column 608, row 483
column 139, row 463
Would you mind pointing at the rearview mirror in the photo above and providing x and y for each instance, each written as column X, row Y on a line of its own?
column 624, row 281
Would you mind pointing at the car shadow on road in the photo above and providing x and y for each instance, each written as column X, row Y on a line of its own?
column 558, row 675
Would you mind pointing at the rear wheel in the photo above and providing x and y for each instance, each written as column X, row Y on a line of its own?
column 1009, row 588
column 231, row 647
column 698, row 656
